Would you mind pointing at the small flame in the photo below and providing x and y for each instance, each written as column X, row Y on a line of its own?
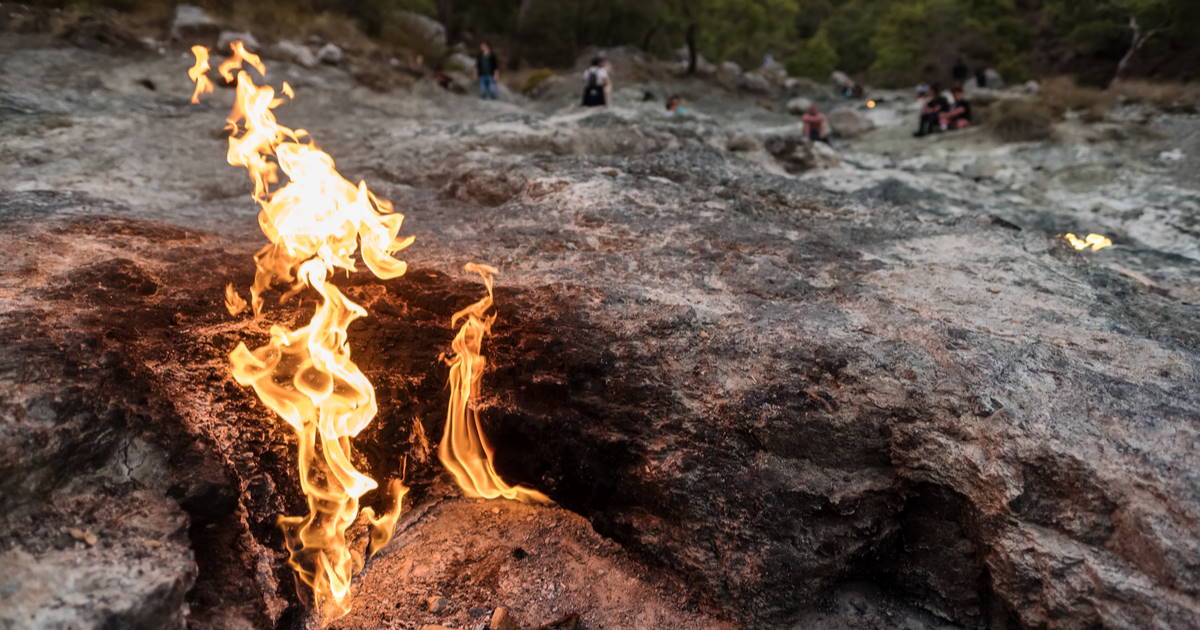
column 871, row 104
column 1094, row 241
column 199, row 73
column 315, row 223
column 464, row 449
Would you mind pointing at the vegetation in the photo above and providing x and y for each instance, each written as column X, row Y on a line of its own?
column 884, row 42
column 1017, row 120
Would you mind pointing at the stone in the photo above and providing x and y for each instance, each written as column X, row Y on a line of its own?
column 226, row 39
column 426, row 27
column 729, row 69
column 461, row 61
column 754, row 82
column 841, row 80
column 190, row 22
column 741, row 143
column 299, row 54
column 993, row 79
column 849, row 123
column 330, row 53
column 502, row 620
column 436, row 604
column 799, row 106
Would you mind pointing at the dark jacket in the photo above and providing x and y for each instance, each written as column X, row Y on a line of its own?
column 486, row 65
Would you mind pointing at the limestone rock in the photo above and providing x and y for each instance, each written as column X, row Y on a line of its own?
column 227, row 38
column 754, row 82
column 849, row 123
column 298, row 54
column 330, row 53
column 192, row 23
column 426, row 27
column 799, row 106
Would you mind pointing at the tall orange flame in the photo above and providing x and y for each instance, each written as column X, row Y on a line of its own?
column 464, row 449
column 315, row 222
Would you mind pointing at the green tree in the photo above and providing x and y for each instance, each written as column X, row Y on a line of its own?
column 816, row 59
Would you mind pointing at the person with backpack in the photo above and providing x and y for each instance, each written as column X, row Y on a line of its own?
column 595, row 83
column 487, row 71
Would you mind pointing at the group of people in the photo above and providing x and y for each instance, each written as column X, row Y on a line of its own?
column 942, row 110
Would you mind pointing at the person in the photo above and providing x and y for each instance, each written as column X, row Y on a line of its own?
column 608, row 84
column 594, row 80
column 816, row 125
column 933, row 104
column 958, row 116
column 675, row 106
column 960, row 71
column 487, row 71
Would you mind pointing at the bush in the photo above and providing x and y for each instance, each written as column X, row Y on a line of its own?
column 535, row 79
column 1016, row 120
column 1062, row 94
column 1170, row 97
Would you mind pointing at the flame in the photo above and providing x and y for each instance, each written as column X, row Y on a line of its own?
column 315, row 222
column 1096, row 242
column 199, row 73
column 464, row 449
column 871, row 104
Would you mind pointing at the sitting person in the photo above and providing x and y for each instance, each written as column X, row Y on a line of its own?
column 934, row 104
column 958, row 116
column 816, row 125
column 675, row 106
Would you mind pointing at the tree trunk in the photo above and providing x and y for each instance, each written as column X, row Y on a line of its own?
column 646, row 39
column 1139, row 39
column 690, row 36
column 446, row 15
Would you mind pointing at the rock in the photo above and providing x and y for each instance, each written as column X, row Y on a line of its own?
column 502, row 620
column 330, row 54
column 981, row 168
column 729, row 69
column 192, row 23
column 849, row 123
column 841, row 80
column 1032, row 86
column 1174, row 155
column 298, row 54
column 824, row 156
column 799, row 105
column 797, row 154
column 743, row 143
column 424, row 26
column 754, row 82
column 436, row 604
column 226, row 39
column 433, row 626
column 993, row 79
column 462, row 61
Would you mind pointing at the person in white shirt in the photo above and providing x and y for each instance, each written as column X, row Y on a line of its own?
column 595, row 83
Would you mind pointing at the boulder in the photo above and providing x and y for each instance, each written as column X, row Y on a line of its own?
column 461, row 62
column 191, row 23
column 841, row 80
column 226, row 39
column 754, row 82
column 743, row 143
column 292, row 52
column 330, row 53
column 993, row 79
column 729, row 69
column 799, row 105
column 424, row 26
column 849, row 123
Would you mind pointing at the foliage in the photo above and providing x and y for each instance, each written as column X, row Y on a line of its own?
column 1016, row 120
column 816, row 58
column 535, row 80
column 1063, row 94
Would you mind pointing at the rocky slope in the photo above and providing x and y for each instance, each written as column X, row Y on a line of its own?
column 877, row 394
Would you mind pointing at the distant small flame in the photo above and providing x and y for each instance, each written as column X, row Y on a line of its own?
column 1094, row 241
column 199, row 73
column 464, row 449
column 871, row 104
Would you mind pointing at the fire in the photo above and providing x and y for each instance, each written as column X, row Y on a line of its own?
column 315, row 222
column 199, row 73
column 1096, row 242
column 464, row 449
column 871, row 104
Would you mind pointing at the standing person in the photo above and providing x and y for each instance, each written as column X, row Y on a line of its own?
column 595, row 78
column 487, row 71
column 816, row 125
column 960, row 72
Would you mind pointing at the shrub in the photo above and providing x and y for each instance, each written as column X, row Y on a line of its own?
column 535, row 79
column 1166, row 96
column 1017, row 120
column 1062, row 94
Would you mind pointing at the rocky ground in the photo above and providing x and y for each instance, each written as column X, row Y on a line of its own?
column 767, row 387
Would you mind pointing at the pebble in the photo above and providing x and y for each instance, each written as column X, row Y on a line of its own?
column 502, row 620
column 436, row 603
